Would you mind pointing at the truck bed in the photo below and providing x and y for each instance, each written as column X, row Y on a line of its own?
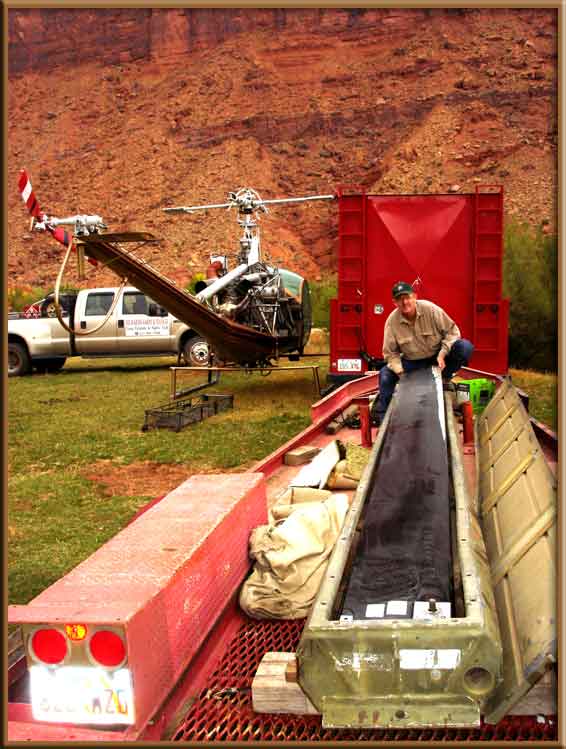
column 212, row 701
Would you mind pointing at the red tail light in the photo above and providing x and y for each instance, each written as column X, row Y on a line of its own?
column 49, row 645
column 107, row 648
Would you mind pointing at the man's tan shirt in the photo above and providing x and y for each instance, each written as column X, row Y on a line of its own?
column 429, row 333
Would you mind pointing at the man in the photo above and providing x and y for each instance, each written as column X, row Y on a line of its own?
column 417, row 334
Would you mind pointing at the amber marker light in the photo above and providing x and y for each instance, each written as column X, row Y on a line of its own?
column 75, row 632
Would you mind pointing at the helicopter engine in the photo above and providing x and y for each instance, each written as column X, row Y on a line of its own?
column 270, row 300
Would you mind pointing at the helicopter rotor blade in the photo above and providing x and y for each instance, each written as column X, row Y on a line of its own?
column 298, row 200
column 193, row 208
column 255, row 203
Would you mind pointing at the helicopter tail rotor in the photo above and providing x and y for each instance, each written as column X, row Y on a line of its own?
column 40, row 221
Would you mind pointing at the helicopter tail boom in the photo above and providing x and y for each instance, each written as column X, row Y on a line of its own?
column 233, row 341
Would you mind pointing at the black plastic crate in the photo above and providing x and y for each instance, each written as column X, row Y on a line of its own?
column 178, row 415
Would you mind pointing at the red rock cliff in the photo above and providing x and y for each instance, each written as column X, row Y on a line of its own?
column 123, row 112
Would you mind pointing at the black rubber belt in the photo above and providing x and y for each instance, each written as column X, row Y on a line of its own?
column 404, row 552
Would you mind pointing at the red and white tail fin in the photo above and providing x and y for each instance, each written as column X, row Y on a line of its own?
column 28, row 196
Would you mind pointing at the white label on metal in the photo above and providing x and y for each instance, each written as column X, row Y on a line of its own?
column 366, row 661
column 396, row 608
column 415, row 660
column 375, row 610
column 82, row 694
column 349, row 365
column 144, row 326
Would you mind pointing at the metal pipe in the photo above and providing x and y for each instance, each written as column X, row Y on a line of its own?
column 365, row 423
column 222, row 282
column 468, row 422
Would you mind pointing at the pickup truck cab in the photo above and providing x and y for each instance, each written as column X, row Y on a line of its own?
column 138, row 326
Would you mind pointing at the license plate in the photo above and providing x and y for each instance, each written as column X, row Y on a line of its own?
column 82, row 694
column 349, row 365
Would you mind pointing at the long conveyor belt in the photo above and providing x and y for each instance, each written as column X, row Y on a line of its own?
column 404, row 552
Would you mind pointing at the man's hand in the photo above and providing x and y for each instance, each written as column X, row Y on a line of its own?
column 440, row 360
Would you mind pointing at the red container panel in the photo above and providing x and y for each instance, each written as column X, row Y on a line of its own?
column 448, row 246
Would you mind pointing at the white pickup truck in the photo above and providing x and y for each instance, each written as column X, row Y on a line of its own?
column 138, row 326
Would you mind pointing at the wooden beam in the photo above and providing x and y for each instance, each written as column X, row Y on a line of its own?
column 541, row 699
column 275, row 688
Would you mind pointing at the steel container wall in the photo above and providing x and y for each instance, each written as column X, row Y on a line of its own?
column 354, row 672
column 450, row 247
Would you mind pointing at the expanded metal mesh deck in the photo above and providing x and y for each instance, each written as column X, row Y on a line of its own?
column 223, row 709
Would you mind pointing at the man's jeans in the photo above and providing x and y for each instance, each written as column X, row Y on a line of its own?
column 458, row 356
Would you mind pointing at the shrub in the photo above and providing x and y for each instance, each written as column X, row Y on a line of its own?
column 530, row 271
column 321, row 294
column 190, row 287
column 20, row 296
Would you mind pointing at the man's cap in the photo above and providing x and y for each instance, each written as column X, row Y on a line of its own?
column 401, row 287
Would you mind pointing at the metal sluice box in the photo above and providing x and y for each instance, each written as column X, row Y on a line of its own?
column 180, row 414
column 413, row 662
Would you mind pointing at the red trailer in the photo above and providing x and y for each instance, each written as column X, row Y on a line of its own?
column 161, row 597
column 449, row 247
column 150, row 621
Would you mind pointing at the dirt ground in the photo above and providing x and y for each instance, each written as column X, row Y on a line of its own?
column 155, row 478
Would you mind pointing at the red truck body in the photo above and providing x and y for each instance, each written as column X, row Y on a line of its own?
column 450, row 247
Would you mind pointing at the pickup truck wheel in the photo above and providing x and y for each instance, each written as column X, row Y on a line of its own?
column 19, row 362
column 196, row 351
column 50, row 365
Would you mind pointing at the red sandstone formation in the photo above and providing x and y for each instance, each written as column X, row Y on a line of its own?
column 123, row 112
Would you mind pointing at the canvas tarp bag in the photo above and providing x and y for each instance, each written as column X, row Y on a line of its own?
column 290, row 559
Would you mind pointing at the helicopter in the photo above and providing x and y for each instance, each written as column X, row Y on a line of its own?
column 249, row 315
column 255, row 293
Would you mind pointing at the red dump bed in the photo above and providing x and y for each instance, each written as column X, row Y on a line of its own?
column 450, row 247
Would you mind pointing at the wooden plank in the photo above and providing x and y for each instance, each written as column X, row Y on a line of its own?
column 340, row 419
column 300, row 455
column 333, row 426
column 541, row 699
column 275, row 689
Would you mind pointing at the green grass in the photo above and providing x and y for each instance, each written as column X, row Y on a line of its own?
column 542, row 390
column 60, row 425
column 321, row 294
